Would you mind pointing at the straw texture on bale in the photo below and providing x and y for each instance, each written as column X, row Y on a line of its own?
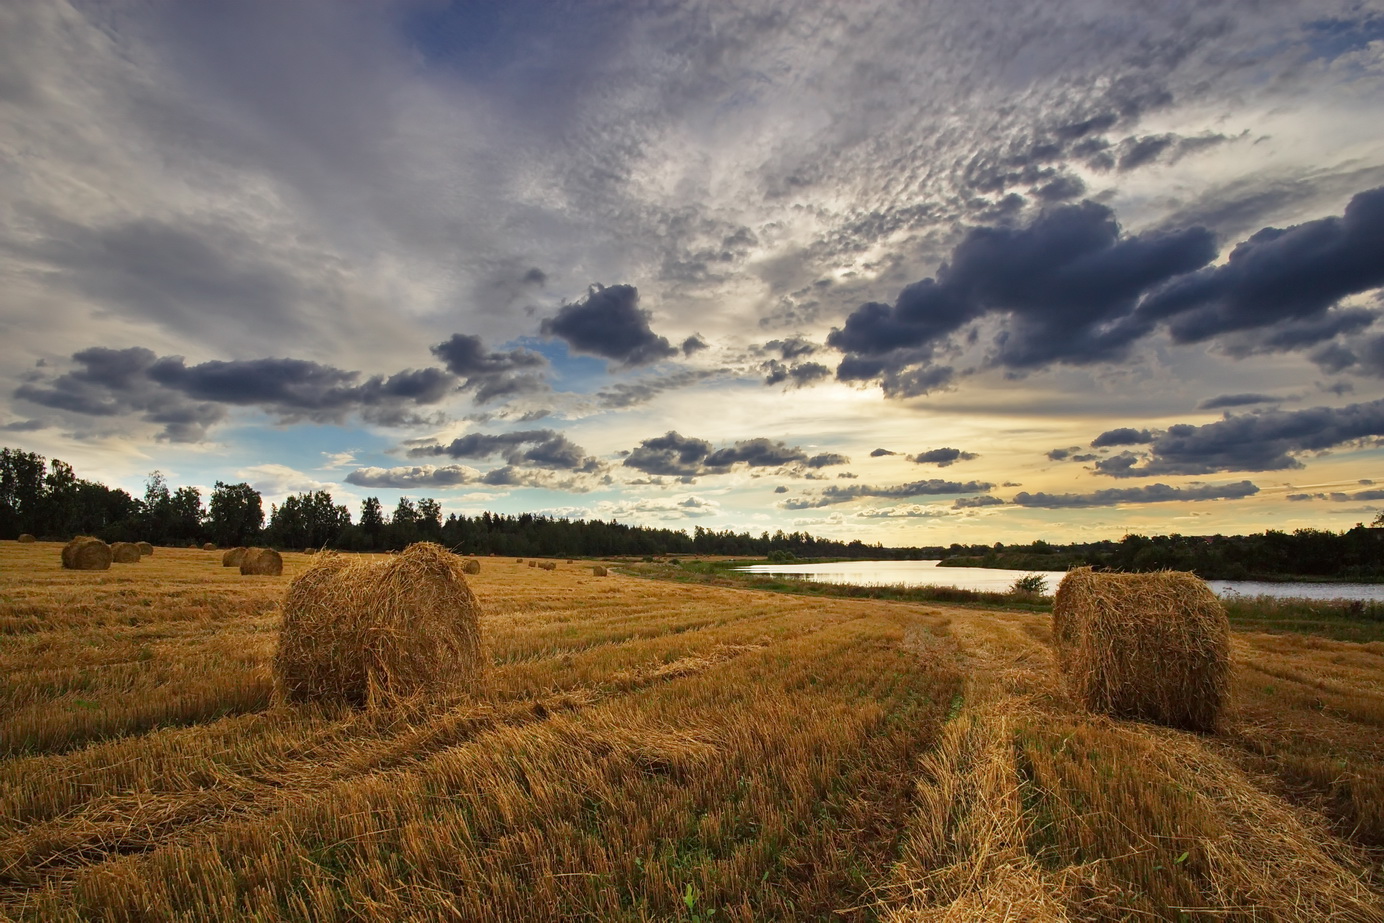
column 86, row 553
column 125, row 553
column 1149, row 646
column 598, row 571
column 262, row 561
column 144, row 548
column 209, row 546
column 26, row 538
column 233, row 556
column 376, row 633
column 470, row 566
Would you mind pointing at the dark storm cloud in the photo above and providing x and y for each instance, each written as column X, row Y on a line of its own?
column 969, row 503
column 675, row 455
column 1059, row 454
column 490, row 374
column 1061, row 188
column 1152, row 493
column 1279, row 275
column 942, row 458
column 1222, row 401
column 834, row 494
column 1068, row 284
column 1267, row 441
column 791, row 348
column 879, row 453
column 25, row 426
column 186, row 400
column 798, row 376
column 780, row 489
column 1125, row 435
column 609, row 323
column 536, row 448
column 827, row 459
column 692, row 345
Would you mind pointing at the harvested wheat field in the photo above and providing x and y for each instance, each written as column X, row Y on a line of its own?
column 642, row 750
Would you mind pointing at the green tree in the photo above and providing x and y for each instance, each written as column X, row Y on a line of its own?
column 236, row 514
column 372, row 519
column 310, row 520
column 429, row 520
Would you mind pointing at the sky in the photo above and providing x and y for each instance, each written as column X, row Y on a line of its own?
column 905, row 272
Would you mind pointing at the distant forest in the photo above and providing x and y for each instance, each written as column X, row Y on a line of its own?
column 48, row 500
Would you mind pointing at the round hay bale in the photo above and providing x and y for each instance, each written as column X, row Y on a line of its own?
column 518, row 560
column 86, row 553
column 470, row 566
column 263, row 561
column 550, row 565
column 125, row 553
column 209, row 546
column 144, row 548
column 1150, row 646
column 533, row 564
column 375, row 633
column 598, row 571
column 233, row 556
column 26, row 538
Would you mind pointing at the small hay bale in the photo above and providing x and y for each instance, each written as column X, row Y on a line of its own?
column 470, row 566
column 598, row 571
column 233, row 556
column 550, row 565
column 518, row 560
column 209, row 546
column 262, row 561
column 144, row 548
column 375, row 633
column 125, row 553
column 1149, row 646
column 26, row 538
column 533, row 564
column 86, row 553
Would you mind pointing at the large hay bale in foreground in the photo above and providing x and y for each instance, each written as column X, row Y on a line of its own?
column 144, row 548
column 470, row 566
column 1149, row 646
column 209, row 546
column 125, row 553
column 374, row 633
column 86, row 553
column 26, row 538
column 263, row 561
column 233, row 556
column 598, row 571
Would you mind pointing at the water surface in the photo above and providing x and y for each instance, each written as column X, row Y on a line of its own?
column 927, row 573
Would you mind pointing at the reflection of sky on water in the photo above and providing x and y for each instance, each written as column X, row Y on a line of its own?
column 927, row 573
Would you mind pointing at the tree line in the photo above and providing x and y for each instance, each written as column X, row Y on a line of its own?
column 48, row 500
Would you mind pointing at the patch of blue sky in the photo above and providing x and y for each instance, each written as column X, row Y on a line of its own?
column 578, row 374
column 1329, row 39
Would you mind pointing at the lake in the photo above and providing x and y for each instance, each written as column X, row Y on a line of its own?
column 927, row 573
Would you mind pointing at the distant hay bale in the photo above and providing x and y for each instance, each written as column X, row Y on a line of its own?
column 470, row 566
column 549, row 565
column 1149, row 646
column 598, row 571
column 125, row 553
column 144, row 548
column 86, row 553
column 373, row 633
column 209, row 546
column 233, row 556
column 262, row 561
column 26, row 538
column 518, row 560
column 533, row 564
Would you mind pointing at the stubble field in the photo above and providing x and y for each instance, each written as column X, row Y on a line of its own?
column 644, row 750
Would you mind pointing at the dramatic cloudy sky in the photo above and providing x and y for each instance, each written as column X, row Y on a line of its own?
column 908, row 272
